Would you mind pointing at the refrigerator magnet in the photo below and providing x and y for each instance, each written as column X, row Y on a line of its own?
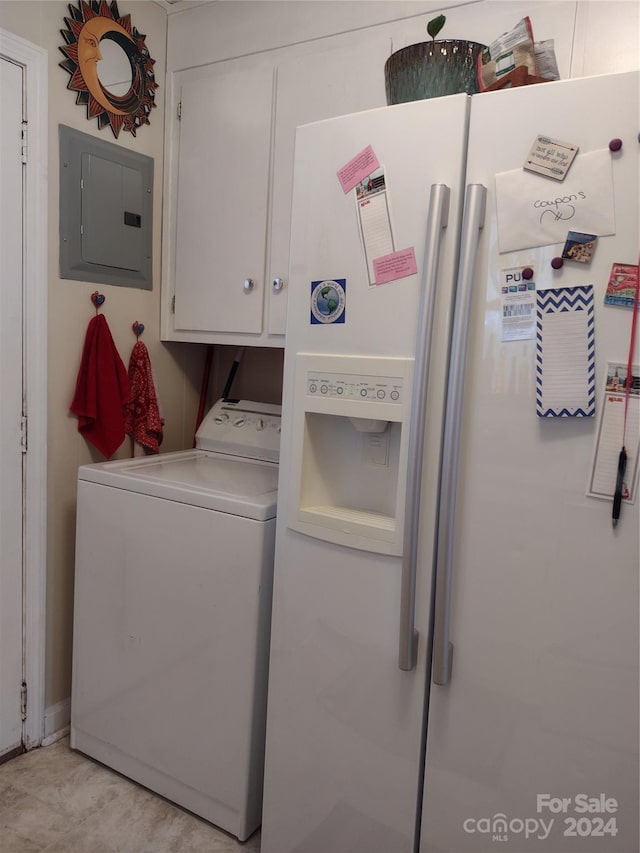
column 579, row 247
column 550, row 157
column 621, row 286
column 328, row 301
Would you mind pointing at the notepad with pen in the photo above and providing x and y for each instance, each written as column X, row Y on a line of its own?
column 603, row 479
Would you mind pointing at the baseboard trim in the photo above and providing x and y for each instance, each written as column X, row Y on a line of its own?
column 57, row 720
column 13, row 753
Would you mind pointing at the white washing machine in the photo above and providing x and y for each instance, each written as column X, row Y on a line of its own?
column 174, row 568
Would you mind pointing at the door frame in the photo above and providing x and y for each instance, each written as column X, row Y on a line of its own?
column 34, row 61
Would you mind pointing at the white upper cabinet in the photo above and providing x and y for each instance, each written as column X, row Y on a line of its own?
column 221, row 207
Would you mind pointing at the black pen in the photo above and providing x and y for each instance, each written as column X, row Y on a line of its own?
column 617, row 497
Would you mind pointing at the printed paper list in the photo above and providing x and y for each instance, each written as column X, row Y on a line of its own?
column 376, row 230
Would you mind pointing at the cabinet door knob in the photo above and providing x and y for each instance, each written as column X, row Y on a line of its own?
column 278, row 284
column 248, row 284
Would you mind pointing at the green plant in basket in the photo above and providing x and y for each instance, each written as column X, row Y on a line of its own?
column 435, row 25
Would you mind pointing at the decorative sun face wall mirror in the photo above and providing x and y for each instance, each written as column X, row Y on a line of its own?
column 110, row 66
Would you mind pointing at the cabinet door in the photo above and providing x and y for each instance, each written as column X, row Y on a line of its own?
column 347, row 78
column 223, row 181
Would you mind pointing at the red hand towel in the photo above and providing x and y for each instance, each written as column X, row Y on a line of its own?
column 141, row 414
column 102, row 389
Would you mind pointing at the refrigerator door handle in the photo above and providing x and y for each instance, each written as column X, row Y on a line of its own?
column 436, row 222
column 472, row 223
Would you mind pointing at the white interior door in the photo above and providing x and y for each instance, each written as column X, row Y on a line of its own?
column 11, row 384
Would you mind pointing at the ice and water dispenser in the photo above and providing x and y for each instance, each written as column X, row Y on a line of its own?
column 349, row 455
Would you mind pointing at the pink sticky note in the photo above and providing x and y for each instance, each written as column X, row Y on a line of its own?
column 396, row 265
column 357, row 169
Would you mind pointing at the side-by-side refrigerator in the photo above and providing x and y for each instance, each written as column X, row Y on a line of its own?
column 454, row 652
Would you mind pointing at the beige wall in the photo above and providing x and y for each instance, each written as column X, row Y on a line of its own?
column 177, row 367
column 229, row 28
column 258, row 377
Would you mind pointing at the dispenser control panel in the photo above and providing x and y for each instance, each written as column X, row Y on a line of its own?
column 346, row 386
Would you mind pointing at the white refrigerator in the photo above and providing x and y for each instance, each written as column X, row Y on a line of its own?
column 454, row 648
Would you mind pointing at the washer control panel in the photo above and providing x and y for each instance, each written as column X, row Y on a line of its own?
column 345, row 386
column 242, row 428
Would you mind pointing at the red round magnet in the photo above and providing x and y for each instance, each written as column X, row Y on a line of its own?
column 615, row 145
column 527, row 273
column 557, row 263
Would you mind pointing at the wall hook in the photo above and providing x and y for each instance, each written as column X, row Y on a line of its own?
column 97, row 299
column 138, row 328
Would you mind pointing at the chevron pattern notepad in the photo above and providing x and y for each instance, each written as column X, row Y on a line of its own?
column 565, row 353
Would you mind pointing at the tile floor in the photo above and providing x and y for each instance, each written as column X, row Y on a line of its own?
column 54, row 800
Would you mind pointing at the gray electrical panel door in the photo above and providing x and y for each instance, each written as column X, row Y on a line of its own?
column 111, row 214
column 106, row 204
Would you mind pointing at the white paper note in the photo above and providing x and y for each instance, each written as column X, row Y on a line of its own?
column 565, row 352
column 375, row 226
column 534, row 211
column 518, row 305
column 605, row 463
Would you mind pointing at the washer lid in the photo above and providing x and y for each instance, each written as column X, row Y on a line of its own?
column 244, row 487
